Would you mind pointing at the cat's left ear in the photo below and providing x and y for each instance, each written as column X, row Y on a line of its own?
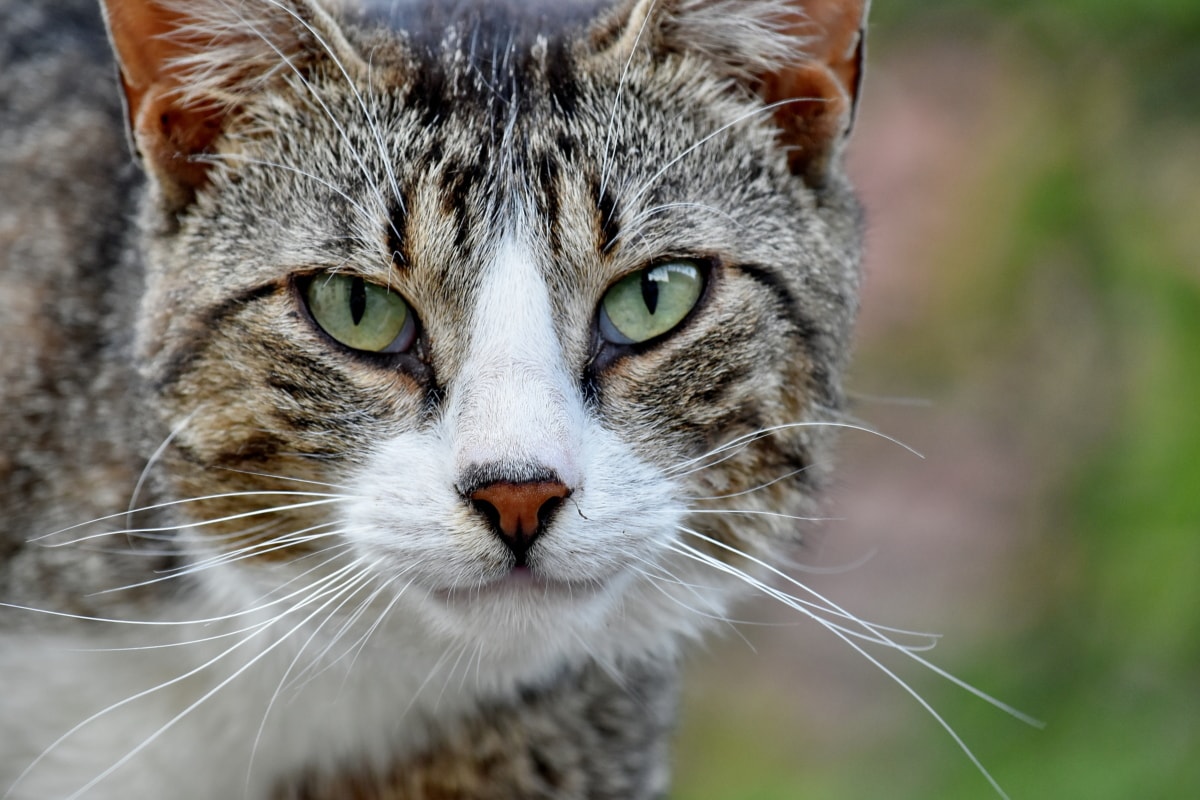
column 188, row 66
column 803, row 57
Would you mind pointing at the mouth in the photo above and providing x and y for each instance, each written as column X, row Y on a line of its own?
column 520, row 583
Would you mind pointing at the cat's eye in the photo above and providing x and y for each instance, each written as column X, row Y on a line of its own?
column 360, row 314
column 650, row 302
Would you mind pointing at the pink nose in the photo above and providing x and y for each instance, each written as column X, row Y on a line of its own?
column 519, row 511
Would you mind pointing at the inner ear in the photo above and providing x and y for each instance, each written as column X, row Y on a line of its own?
column 805, row 57
column 817, row 93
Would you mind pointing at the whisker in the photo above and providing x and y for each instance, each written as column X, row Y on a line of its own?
column 688, row 466
column 372, row 122
column 274, row 476
column 299, row 680
column 144, row 693
column 165, row 623
column 808, row 608
column 848, row 636
column 250, row 551
column 755, row 513
column 829, row 606
column 656, row 580
column 363, row 578
column 751, row 490
column 195, row 524
column 606, row 158
column 200, row 701
column 154, row 457
column 187, row 500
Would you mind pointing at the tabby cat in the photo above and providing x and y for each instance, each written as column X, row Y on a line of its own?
column 432, row 375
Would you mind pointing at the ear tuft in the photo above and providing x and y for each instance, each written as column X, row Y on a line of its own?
column 187, row 66
column 804, row 56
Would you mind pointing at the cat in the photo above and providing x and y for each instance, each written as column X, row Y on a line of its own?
column 430, row 378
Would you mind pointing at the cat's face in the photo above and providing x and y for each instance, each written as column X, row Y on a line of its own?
column 522, row 339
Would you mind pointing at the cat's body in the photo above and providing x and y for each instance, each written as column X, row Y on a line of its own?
column 461, row 561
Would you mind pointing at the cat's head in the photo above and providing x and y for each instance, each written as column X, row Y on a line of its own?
column 526, row 323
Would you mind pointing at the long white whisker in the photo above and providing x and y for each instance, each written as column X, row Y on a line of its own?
column 203, row 698
column 258, row 512
column 250, row 551
column 752, row 489
column 688, row 466
column 606, row 162
column 251, row 610
column 299, row 679
column 289, row 478
column 145, row 692
column 824, row 603
column 372, row 123
column 156, row 623
column 363, row 578
column 154, row 457
column 754, row 512
column 806, row 607
column 657, row 580
column 879, row 637
column 187, row 500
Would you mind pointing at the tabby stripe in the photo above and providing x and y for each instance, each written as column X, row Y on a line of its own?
column 560, row 75
column 548, row 182
column 783, row 295
column 185, row 354
column 397, row 235
column 609, row 226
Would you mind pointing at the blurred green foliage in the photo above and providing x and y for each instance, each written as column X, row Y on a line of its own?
column 1102, row 193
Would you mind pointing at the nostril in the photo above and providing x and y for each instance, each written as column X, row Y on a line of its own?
column 547, row 510
column 489, row 511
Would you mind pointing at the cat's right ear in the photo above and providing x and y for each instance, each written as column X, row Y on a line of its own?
column 804, row 58
column 187, row 66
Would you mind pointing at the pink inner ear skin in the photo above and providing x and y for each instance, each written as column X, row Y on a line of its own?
column 819, row 93
column 815, row 119
column 146, row 38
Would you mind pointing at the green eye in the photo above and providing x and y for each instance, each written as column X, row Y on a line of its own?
column 650, row 302
column 361, row 315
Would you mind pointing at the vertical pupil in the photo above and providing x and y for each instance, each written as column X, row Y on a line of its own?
column 358, row 299
column 649, row 292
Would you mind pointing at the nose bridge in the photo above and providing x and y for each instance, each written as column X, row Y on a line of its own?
column 514, row 401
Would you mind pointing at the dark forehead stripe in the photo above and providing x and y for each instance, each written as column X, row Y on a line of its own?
column 607, row 217
column 495, row 42
column 560, row 78
column 548, row 194
column 397, row 235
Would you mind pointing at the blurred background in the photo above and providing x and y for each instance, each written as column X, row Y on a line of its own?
column 1031, row 324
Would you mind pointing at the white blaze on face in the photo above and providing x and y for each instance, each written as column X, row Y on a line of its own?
column 515, row 402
